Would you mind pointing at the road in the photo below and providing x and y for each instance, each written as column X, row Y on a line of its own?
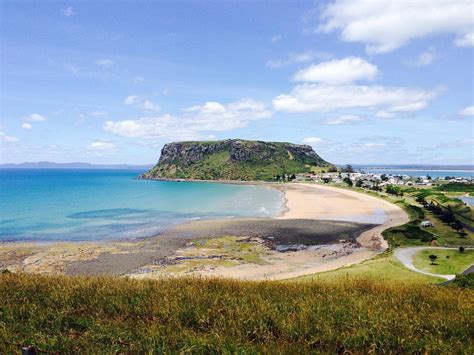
column 405, row 255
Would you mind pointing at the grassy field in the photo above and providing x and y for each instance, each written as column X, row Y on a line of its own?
column 385, row 268
column 107, row 315
column 449, row 262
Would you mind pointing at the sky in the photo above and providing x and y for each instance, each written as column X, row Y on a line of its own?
column 361, row 81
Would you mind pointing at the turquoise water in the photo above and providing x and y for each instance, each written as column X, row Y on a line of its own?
column 70, row 204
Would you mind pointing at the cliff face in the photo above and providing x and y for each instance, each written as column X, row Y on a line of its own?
column 233, row 159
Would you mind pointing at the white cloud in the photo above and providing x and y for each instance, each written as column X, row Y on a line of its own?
column 26, row 126
column 425, row 58
column 344, row 119
column 211, row 116
column 34, row 117
column 148, row 105
column 105, row 63
column 218, row 117
column 295, row 58
column 7, row 139
column 387, row 25
column 325, row 98
column 276, row 38
column 384, row 114
column 468, row 111
column 466, row 40
column 312, row 140
column 130, row 100
column 138, row 80
column 68, row 11
column 141, row 103
column 101, row 146
column 337, row 72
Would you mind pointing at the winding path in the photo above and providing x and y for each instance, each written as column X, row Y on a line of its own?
column 405, row 255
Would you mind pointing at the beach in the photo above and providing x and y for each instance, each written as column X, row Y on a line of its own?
column 321, row 228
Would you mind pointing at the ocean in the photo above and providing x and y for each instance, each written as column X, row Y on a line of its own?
column 105, row 204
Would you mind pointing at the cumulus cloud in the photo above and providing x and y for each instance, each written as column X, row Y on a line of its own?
column 193, row 121
column 105, row 63
column 7, row 139
column 296, row 58
column 468, row 111
column 34, row 117
column 101, row 146
column 26, row 126
column 337, row 72
column 387, row 25
column 325, row 98
column 344, row 119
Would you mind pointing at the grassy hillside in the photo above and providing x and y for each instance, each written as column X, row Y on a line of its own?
column 234, row 160
column 105, row 315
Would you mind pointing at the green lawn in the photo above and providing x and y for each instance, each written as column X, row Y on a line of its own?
column 448, row 262
column 384, row 268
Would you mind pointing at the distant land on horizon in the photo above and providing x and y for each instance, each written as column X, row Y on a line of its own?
column 73, row 165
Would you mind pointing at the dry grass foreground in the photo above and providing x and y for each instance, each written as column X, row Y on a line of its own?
column 108, row 315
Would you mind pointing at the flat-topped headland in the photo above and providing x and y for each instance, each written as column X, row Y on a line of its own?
column 233, row 160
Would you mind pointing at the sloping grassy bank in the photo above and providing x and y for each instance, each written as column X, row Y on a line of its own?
column 105, row 315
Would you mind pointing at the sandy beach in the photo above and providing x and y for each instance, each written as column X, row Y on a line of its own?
column 322, row 228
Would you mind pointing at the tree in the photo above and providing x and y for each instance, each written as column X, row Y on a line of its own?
column 433, row 258
column 384, row 177
column 293, row 176
column 457, row 226
column 461, row 249
column 348, row 181
column 394, row 190
column 359, row 183
column 348, row 169
column 421, row 200
column 332, row 169
column 326, row 180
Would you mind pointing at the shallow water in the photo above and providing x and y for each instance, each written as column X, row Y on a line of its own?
column 72, row 204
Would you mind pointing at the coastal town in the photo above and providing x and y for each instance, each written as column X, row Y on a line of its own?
column 376, row 181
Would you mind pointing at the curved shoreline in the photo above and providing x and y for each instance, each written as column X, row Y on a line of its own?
column 314, row 202
column 371, row 240
column 305, row 204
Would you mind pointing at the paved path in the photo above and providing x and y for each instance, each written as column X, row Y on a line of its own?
column 405, row 255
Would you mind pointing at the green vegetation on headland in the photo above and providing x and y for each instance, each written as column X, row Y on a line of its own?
column 234, row 159
column 108, row 315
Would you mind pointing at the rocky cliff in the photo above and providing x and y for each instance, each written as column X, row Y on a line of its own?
column 233, row 159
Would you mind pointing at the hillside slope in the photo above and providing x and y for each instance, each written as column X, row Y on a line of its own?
column 233, row 159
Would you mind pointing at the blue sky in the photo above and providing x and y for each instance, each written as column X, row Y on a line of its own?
column 361, row 81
